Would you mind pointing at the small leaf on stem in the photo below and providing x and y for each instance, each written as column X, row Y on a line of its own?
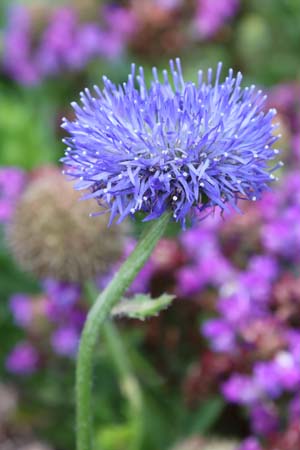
column 142, row 306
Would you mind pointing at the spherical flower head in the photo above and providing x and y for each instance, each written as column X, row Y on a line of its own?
column 61, row 241
column 176, row 146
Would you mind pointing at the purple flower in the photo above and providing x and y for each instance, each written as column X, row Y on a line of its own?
column 288, row 370
column 267, row 208
column 211, row 15
column 189, row 280
column 62, row 300
column 265, row 375
column 65, row 43
column 250, row 444
column 21, row 308
column 235, row 309
column 199, row 242
column 121, row 20
column 23, row 359
column 248, row 292
column 294, row 408
column 290, row 188
column 17, row 46
column 12, row 182
column 287, row 226
column 278, row 375
column 213, row 270
column 293, row 338
column 264, row 418
column 284, row 96
column 264, row 265
column 176, row 146
column 142, row 281
column 62, row 294
column 76, row 318
column 89, row 38
column 220, row 334
column 256, row 285
column 65, row 341
column 296, row 147
column 57, row 41
column 241, row 389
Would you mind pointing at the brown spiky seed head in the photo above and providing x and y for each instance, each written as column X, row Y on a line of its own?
column 53, row 235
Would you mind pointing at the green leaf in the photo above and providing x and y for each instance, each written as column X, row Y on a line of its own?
column 142, row 306
column 116, row 437
column 208, row 413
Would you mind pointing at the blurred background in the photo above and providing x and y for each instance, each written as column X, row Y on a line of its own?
column 220, row 369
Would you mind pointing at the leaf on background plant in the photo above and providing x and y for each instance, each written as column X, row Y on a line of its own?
column 142, row 306
column 207, row 415
column 116, row 437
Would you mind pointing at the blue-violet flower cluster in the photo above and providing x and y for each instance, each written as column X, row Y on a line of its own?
column 176, row 146
column 60, row 41
column 210, row 16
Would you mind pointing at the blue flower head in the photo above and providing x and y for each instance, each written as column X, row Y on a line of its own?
column 175, row 146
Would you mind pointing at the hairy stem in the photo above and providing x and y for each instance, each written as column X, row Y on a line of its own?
column 97, row 316
column 129, row 384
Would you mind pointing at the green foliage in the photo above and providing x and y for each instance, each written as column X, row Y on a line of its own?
column 206, row 415
column 25, row 141
column 115, row 437
column 142, row 306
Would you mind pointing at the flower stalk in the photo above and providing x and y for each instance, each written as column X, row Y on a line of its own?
column 129, row 384
column 95, row 320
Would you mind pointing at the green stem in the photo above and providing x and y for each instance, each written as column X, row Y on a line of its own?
column 96, row 317
column 129, row 384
